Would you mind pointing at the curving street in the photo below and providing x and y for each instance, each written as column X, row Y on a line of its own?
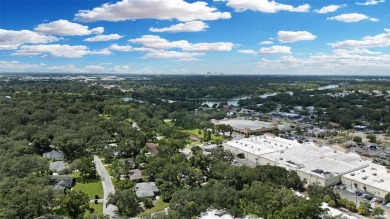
column 108, row 187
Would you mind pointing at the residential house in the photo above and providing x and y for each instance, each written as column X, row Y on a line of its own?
column 136, row 175
column 54, row 155
column 58, row 167
column 61, row 183
column 146, row 190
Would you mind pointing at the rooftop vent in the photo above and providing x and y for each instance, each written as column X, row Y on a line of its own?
column 365, row 177
column 352, row 174
column 374, row 174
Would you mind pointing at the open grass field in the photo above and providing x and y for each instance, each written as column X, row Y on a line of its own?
column 159, row 205
column 91, row 187
column 98, row 209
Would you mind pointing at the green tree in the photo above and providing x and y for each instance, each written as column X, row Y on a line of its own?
column 363, row 209
column 377, row 211
column 357, row 139
column 371, row 138
column 74, row 204
column 387, row 196
column 126, row 201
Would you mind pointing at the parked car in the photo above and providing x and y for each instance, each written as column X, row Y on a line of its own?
column 388, row 205
column 358, row 193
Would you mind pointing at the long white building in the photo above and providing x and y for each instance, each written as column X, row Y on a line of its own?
column 312, row 163
column 374, row 179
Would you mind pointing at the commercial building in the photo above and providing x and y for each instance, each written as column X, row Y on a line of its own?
column 247, row 127
column 313, row 164
column 374, row 179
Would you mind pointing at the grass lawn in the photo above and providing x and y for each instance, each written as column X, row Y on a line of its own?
column 91, row 187
column 98, row 209
column 158, row 206
column 196, row 132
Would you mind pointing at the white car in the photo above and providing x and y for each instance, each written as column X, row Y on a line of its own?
column 388, row 205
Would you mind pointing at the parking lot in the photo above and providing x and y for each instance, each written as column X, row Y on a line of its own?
column 357, row 199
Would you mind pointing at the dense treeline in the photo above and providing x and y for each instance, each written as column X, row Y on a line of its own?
column 82, row 118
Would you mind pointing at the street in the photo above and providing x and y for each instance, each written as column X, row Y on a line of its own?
column 108, row 187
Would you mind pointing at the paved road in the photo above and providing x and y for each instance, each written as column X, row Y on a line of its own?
column 108, row 188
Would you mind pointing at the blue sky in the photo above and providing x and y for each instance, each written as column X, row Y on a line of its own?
column 287, row 37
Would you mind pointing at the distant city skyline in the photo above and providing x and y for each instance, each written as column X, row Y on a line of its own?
column 260, row 37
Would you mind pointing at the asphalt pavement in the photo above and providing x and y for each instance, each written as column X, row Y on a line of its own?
column 108, row 188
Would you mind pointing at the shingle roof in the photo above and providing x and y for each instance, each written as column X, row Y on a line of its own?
column 146, row 189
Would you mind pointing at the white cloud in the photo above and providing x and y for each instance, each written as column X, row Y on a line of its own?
column 329, row 8
column 293, row 36
column 116, row 47
column 99, row 38
column 370, row 2
column 338, row 62
column 57, row 50
column 380, row 40
column 16, row 66
column 12, row 39
column 188, row 60
column 97, row 30
column 247, row 51
column 164, row 54
column 104, row 52
column 66, row 28
column 191, row 26
column 275, row 50
column 94, row 67
column 156, row 42
column 266, row 43
column 285, row 50
column 265, row 6
column 157, row 9
column 352, row 17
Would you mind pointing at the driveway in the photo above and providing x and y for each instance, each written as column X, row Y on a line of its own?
column 108, row 187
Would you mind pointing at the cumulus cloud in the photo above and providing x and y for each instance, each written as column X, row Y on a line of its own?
column 116, row 47
column 57, row 50
column 265, row 6
column 99, row 38
column 370, row 2
column 293, row 36
column 380, row 40
column 66, row 28
column 12, row 39
column 329, row 8
column 352, row 17
column 157, row 9
column 266, row 43
column 97, row 30
column 191, row 26
column 156, row 42
column 269, row 50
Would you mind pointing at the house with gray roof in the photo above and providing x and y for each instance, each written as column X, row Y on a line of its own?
column 136, row 175
column 61, row 183
column 54, row 155
column 58, row 167
column 146, row 190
